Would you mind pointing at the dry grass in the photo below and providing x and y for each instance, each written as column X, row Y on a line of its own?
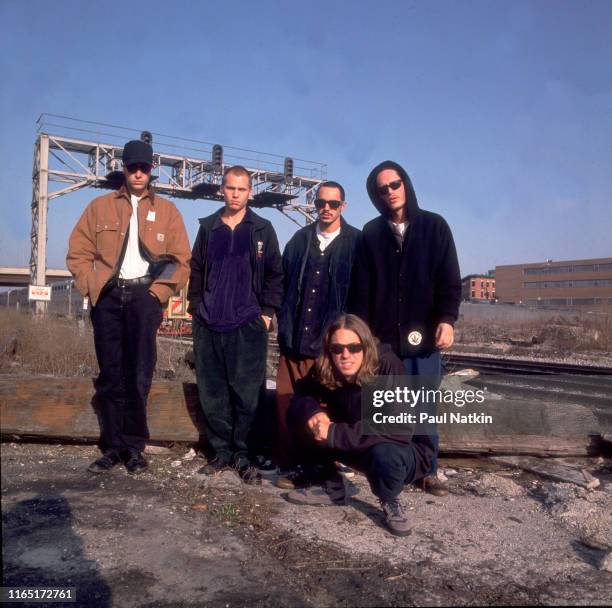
column 45, row 345
column 562, row 333
column 63, row 347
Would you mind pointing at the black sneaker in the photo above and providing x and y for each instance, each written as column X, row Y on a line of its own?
column 293, row 479
column 105, row 463
column 266, row 466
column 216, row 465
column 134, row 462
column 334, row 491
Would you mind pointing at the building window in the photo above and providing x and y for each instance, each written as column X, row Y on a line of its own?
column 575, row 283
column 473, row 283
column 585, row 301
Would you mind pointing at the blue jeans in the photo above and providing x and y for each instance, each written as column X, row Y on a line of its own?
column 430, row 366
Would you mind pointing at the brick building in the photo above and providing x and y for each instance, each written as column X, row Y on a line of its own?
column 579, row 284
column 478, row 288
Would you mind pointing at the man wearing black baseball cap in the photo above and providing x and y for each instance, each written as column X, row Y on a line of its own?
column 128, row 253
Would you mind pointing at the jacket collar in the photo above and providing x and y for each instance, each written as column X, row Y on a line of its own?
column 123, row 192
column 250, row 216
column 344, row 228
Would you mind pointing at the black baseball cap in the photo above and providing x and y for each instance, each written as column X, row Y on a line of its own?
column 137, row 151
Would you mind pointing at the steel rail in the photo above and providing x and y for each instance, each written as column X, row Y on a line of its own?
column 524, row 366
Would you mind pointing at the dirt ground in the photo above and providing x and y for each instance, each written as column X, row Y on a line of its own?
column 172, row 537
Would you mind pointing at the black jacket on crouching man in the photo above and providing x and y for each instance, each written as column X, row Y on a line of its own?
column 378, row 456
column 265, row 263
column 295, row 258
column 412, row 288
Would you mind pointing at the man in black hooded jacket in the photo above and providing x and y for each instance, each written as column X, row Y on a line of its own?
column 406, row 283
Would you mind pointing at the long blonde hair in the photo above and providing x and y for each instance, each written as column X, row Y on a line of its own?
column 326, row 371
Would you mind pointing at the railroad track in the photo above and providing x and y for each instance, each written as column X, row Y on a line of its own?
column 588, row 386
column 485, row 363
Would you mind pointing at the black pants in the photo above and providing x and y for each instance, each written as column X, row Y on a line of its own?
column 230, row 369
column 125, row 322
column 387, row 466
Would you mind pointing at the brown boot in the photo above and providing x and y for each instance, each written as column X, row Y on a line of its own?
column 432, row 485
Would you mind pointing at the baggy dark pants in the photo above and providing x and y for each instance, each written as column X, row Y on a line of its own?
column 125, row 322
column 387, row 466
column 230, row 370
column 430, row 367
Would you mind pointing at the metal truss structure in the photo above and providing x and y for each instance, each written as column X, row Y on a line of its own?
column 79, row 154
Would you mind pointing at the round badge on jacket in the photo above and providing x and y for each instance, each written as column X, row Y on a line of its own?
column 415, row 338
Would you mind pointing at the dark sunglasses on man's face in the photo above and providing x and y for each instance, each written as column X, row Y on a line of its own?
column 391, row 185
column 337, row 349
column 320, row 204
column 143, row 167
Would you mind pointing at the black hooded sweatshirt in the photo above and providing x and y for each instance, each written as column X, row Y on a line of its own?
column 403, row 293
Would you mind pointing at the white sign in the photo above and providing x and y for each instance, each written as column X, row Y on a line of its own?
column 39, row 292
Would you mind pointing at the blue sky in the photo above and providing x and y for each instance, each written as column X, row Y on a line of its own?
column 501, row 112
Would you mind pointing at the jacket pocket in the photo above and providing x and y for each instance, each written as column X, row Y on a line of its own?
column 107, row 237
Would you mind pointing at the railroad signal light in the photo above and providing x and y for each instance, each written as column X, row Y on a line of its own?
column 288, row 170
column 147, row 137
column 217, row 158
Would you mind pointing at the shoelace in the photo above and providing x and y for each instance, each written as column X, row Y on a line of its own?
column 395, row 508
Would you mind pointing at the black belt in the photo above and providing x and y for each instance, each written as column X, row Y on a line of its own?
column 146, row 280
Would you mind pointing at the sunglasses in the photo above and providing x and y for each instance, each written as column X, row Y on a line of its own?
column 320, row 204
column 143, row 167
column 337, row 349
column 391, row 185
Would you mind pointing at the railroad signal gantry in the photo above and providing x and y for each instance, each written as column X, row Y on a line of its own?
column 85, row 154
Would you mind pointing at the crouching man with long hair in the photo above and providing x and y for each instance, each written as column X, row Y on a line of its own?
column 325, row 419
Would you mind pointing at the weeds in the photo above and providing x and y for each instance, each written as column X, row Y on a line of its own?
column 226, row 511
column 64, row 347
column 571, row 334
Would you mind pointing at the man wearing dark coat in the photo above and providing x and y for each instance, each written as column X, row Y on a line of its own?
column 406, row 283
column 317, row 264
column 235, row 287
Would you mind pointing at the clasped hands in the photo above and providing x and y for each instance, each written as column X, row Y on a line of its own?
column 319, row 426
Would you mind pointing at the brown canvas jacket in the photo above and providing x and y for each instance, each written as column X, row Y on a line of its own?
column 97, row 241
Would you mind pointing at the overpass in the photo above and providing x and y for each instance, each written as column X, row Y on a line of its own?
column 15, row 276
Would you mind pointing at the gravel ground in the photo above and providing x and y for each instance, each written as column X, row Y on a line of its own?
column 172, row 537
